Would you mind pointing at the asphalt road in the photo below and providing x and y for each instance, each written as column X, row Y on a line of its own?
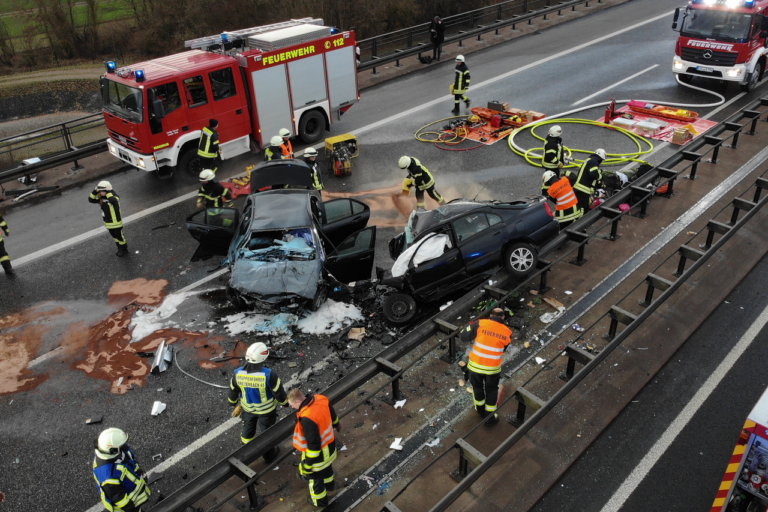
column 62, row 299
column 688, row 473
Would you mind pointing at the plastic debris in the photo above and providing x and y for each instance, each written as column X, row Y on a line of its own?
column 578, row 328
column 157, row 456
column 548, row 318
column 275, row 468
column 470, row 390
column 343, row 448
column 534, row 292
column 163, row 358
column 452, row 390
column 119, row 381
column 374, row 426
column 568, row 292
column 157, row 408
column 540, row 360
column 383, row 488
column 94, row 420
column 356, row 333
column 396, row 445
column 421, row 410
column 554, row 303
column 292, row 365
column 433, row 443
column 399, row 404
column 444, row 306
column 527, row 345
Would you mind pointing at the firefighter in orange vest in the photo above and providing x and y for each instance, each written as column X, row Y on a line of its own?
column 491, row 337
column 560, row 191
column 286, row 145
column 313, row 437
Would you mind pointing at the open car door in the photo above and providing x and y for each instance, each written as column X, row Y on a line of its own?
column 353, row 258
column 343, row 217
column 214, row 228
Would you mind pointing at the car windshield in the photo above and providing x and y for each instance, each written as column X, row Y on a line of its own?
column 719, row 25
column 125, row 101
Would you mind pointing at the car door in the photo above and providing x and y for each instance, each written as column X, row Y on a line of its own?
column 438, row 271
column 353, row 258
column 214, row 228
column 343, row 217
column 480, row 237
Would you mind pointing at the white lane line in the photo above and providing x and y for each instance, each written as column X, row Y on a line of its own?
column 601, row 91
column 665, row 441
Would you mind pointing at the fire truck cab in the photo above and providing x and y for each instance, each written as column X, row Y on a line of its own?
column 722, row 39
column 296, row 75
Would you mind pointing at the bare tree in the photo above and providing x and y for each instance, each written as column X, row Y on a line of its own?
column 7, row 50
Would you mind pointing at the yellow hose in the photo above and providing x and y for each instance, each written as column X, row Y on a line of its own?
column 612, row 158
column 420, row 135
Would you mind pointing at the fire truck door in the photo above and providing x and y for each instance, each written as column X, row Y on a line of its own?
column 197, row 98
column 307, row 82
column 227, row 102
column 342, row 76
column 273, row 105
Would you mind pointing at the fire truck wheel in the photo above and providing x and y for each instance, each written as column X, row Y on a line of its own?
column 311, row 126
column 189, row 166
column 753, row 79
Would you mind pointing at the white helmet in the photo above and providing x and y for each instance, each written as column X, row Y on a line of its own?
column 104, row 185
column 109, row 443
column 601, row 153
column 459, row 58
column 310, row 152
column 548, row 175
column 207, row 175
column 257, row 353
column 284, row 132
column 276, row 141
column 555, row 131
column 404, row 162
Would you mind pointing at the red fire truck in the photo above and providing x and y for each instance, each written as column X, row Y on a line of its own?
column 722, row 39
column 296, row 75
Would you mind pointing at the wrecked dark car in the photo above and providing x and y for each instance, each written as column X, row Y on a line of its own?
column 458, row 245
column 287, row 247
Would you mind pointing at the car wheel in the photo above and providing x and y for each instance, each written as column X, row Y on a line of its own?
column 320, row 297
column 190, row 167
column 234, row 298
column 753, row 79
column 311, row 127
column 520, row 259
column 399, row 308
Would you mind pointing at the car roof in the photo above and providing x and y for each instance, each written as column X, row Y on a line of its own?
column 280, row 209
column 424, row 220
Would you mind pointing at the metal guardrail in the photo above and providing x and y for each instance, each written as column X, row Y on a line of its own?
column 409, row 42
column 54, row 145
column 384, row 363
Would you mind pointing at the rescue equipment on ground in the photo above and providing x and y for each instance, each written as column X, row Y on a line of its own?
column 642, row 107
column 341, row 149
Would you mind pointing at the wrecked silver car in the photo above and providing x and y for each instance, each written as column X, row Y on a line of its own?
column 287, row 247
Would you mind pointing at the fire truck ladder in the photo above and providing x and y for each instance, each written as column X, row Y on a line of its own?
column 206, row 42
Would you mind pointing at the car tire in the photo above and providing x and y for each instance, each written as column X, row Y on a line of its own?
column 686, row 79
column 189, row 167
column 311, row 126
column 234, row 298
column 520, row 259
column 399, row 308
column 320, row 297
column 753, row 79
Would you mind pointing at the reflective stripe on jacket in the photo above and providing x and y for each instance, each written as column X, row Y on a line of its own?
column 4, row 226
column 119, row 482
column 562, row 191
column 420, row 174
column 490, row 342
column 272, row 153
column 316, row 178
column 461, row 84
column 572, row 214
column 215, row 194
column 287, row 149
column 208, row 146
column 553, row 153
column 589, row 176
column 313, row 435
column 256, row 394
column 110, row 208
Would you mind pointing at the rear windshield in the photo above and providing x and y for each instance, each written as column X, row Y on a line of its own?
column 125, row 101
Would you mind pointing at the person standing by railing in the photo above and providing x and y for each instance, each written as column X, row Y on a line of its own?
column 437, row 36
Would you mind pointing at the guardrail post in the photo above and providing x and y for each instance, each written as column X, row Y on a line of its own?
column 754, row 115
column 543, row 288
column 714, row 227
column 575, row 355
column 246, row 473
column 410, row 38
column 692, row 157
column 391, row 369
column 448, row 328
column 374, row 54
column 581, row 238
column 618, row 315
column 643, row 192
column 713, row 141
column 616, row 216
column 525, row 399
column 671, row 176
column 461, row 43
column 760, row 185
column 740, row 204
column 468, row 454
column 734, row 127
column 686, row 253
column 654, row 283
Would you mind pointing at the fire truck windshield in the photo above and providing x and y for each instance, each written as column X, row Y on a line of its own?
column 124, row 101
column 718, row 25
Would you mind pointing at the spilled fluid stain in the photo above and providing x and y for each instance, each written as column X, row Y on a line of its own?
column 140, row 291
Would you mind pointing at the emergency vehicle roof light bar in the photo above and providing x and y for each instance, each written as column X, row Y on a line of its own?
column 205, row 42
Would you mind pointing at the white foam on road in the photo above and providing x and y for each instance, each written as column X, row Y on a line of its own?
column 145, row 323
column 330, row 318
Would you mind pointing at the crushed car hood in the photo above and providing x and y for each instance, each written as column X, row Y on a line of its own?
column 276, row 281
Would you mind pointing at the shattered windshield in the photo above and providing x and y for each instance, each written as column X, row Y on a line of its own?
column 720, row 25
column 274, row 246
column 125, row 101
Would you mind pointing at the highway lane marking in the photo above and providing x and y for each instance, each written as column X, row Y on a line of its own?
column 601, row 91
column 665, row 441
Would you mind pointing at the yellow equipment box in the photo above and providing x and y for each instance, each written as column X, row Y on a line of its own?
column 347, row 140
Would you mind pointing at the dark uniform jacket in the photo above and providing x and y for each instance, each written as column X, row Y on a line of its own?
column 247, row 396
column 214, row 194
column 110, row 208
column 588, row 177
column 208, row 146
column 313, row 435
column 461, row 84
column 421, row 176
column 553, row 154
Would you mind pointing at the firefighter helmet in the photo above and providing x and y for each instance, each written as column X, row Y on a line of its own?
column 284, row 132
column 601, row 153
column 548, row 175
column 404, row 162
column 459, row 58
column 257, row 353
column 309, row 152
column 104, row 185
column 276, row 141
column 555, row 131
column 109, row 443
column 207, row 175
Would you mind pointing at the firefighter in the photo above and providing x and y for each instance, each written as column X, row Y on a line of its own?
column 4, row 258
column 310, row 157
column 274, row 150
column 419, row 176
column 553, row 151
column 560, row 191
column 587, row 179
column 212, row 194
column 121, row 482
column 285, row 146
column 460, row 84
column 258, row 391
column 313, row 437
column 491, row 337
column 109, row 202
column 208, row 146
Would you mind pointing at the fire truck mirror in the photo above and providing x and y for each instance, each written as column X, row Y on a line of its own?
column 104, row 84
column 157, row 105
column 676, row 16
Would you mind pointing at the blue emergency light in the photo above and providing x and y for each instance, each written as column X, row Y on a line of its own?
column 224, row 37
column 749, row 3
column 139, row 75
column 111, row 66
column 334, row 30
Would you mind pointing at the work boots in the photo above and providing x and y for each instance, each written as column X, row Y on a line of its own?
column 455, row 110
column 122, row 250
column 8, row 268
column 493, row 420
column 467, row 102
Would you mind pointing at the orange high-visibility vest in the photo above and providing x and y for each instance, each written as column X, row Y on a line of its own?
column 287, row 149
column 562, row 191
column 490, row 342
column 320, row 413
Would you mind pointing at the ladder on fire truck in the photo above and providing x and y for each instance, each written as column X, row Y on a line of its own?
column 206, row 42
